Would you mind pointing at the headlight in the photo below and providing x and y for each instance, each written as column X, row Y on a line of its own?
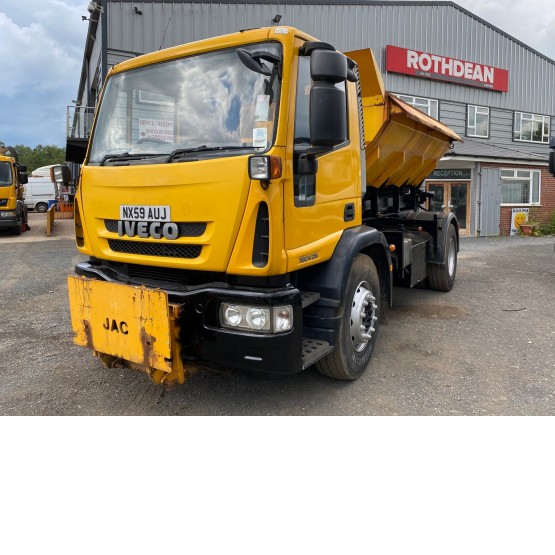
column 233, row 316
column 7, row 214
column 255, row 318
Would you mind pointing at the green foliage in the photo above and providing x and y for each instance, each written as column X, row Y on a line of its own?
column 39, row 156
column 546, row 229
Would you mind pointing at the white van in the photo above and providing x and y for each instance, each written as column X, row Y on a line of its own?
column 38, row 191
column 43, row 171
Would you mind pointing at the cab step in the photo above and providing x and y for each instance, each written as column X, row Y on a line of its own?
column 314, row 350
column 308, row 298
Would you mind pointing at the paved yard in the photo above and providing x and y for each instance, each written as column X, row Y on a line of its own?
column 487, row 347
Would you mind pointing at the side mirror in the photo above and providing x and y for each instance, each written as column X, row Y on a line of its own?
column 328, row 65
column 22, row 168
column 23, row 179
column 60, row 175
column 328, row 103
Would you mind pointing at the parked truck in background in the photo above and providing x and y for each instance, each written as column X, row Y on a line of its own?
column 249, row 201
column 13, row 212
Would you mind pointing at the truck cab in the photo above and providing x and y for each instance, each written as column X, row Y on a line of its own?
column 249, row 201
column 13, row 212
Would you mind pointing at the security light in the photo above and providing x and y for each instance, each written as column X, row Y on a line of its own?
column 94, row 6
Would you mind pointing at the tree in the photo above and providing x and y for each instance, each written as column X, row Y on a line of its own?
column 39, row 156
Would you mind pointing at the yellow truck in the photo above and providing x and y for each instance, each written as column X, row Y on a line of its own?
column 249, row 201
column 13, row 212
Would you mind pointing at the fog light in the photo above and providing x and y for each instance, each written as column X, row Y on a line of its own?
column 232, row 315
column 256, row 318
column 283, row 318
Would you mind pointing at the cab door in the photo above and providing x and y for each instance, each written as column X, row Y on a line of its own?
column 320, row 202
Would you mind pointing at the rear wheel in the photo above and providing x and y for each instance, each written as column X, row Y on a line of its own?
column 359, row 323
column 41, row 207
column 441, row 277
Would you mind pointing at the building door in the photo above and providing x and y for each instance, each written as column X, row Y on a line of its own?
column 452, row 197
column 489, row 202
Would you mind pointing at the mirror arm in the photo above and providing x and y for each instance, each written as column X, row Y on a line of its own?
column 307, row 48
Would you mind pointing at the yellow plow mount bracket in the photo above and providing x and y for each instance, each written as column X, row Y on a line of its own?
column 127, row 326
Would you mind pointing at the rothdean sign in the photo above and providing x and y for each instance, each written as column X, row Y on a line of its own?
column 434, row 66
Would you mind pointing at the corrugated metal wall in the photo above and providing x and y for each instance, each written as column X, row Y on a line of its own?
column 438, row 29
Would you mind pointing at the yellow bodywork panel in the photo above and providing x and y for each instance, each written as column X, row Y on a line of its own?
column 126, row 326
column 407, row 148
column 403, row 145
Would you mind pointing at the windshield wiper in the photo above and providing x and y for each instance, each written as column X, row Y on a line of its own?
column 203, row 148
column 126, row 156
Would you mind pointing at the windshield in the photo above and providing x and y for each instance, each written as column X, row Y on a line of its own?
column 5, row 174
column 201, row 102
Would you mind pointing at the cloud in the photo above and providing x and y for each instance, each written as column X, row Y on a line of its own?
column 41, row 48
column 530, row 21
column 42, row 44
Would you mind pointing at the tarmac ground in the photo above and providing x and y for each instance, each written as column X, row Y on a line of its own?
column 485, row 348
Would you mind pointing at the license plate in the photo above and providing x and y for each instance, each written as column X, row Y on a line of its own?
column 141, row 213
column 124, row 321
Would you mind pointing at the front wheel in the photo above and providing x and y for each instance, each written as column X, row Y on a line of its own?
column 359, row 323
column 41, row 207
column 441, row 277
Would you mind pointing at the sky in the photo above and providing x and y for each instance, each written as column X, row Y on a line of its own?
column 42, row 44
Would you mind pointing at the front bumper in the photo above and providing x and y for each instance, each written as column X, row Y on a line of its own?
column 200, row 336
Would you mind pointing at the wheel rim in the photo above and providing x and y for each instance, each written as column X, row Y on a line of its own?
column 451, row 257
column 363, row 316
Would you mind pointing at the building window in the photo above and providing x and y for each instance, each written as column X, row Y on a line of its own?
column 477, row 123
column 531, row 128
column 520, row 186
column 426, row 105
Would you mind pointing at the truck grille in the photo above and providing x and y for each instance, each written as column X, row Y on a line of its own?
column 155, row 249
column 186, row 229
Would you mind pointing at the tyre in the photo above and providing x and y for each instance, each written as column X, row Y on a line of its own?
column 359, row 323
column 441, row 277
column 16, row 230
column 41, row 207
